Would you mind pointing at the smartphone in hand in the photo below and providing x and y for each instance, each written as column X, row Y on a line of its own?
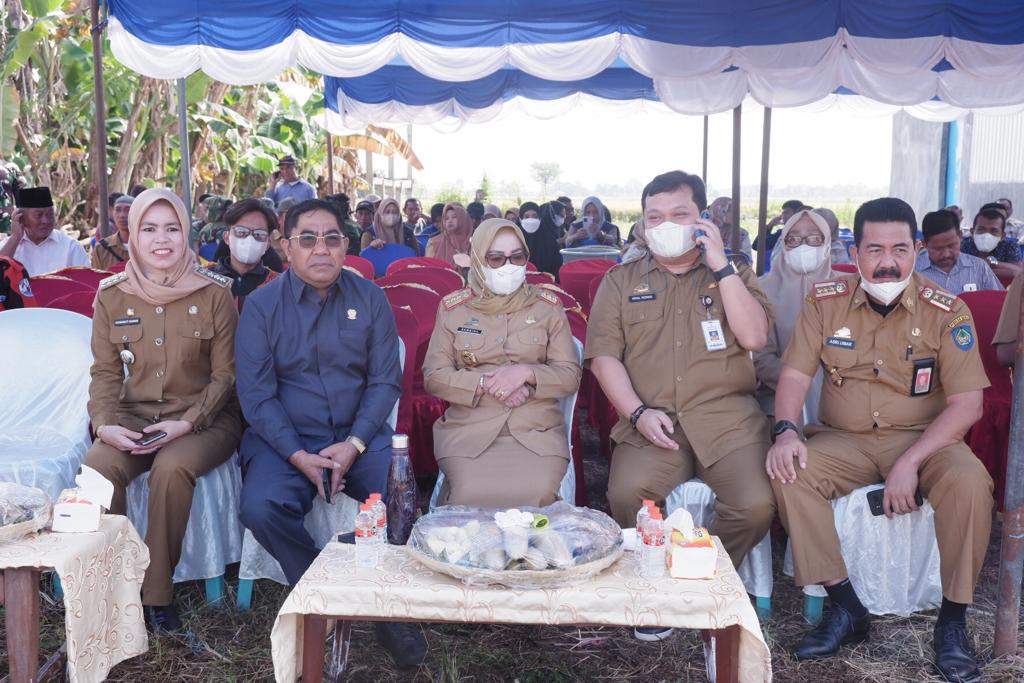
column 150, row 438
column 876, row 497
column 327, row 485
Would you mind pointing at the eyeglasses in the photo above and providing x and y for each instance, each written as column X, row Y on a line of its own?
column 794, row 241
column 308, row 241
column 496, row 259
column 241, row 232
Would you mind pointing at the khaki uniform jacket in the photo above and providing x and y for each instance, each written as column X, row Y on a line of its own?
column 108, row 252
column 467, row 343
column 183, row 352
column 650, row 319
column 1009, row 318
column 869, row 361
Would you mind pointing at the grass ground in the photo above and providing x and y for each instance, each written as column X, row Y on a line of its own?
column 227, row 645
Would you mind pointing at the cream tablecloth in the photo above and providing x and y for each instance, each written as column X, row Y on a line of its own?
column 401, row 588
column 101, row 574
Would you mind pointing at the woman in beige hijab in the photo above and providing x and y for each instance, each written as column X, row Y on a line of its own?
column 802, row 259
column 502, row 355
column 452, row 243
column 387, row 228
column 162, row 392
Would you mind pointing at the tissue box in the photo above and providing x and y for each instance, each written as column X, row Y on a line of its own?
column 692, row 556
column 73, row 514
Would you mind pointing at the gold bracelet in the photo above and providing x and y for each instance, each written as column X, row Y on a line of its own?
column 358, row 443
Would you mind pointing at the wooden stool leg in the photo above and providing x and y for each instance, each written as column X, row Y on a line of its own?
column 21, row 618
column 722, row 649
column 314, row 627
column 339, row 657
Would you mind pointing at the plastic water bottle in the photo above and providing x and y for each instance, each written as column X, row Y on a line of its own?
column 653, row 566
column 380, row 513
column 403, row 503
column 366, row 541
column 642, row 515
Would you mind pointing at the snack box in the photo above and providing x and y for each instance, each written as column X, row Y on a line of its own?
column 692, row 557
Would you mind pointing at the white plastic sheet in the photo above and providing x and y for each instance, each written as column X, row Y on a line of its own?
column 893, row 563
column 44, row 426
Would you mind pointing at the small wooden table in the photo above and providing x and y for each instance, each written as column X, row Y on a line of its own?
column 401, row 589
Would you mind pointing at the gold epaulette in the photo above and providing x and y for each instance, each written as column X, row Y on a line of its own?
column 222, row 280
column 550, row 297
column 457, row 298
column 937, row 298
column 830, row 289
column 108, row 282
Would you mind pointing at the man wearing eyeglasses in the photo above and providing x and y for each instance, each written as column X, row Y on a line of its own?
column 316, row 356
column 250, row 223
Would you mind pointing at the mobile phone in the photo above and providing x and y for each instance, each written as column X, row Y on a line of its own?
column 150, row 438
column 876, row 497
column 327, row 485
column 706, row 216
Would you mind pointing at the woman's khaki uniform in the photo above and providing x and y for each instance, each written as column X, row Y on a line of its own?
column 493, row 456
column 182, row 367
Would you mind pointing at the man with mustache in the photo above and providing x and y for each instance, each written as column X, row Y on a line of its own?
column 904, row 384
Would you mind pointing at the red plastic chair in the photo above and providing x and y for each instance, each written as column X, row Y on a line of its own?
column 119, row 267
column 1007, row 281
column 989, row 438
column 85, row 275
column 844, row 267
column 418, row 262
column 540, row 279
column 77, row 302
column 442, row 281
column 569, row 302
column 595, row 284
column 578, row 325
column 417, row 410
column 575, row 277
column 50, row 287
column 420, row 300
column 364, row 267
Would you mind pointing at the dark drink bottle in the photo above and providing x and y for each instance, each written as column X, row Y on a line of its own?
column 402, row 495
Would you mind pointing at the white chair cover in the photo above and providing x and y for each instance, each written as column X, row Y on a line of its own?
column 567, row 489
column 698, row 499
column 893, row 563
column 44, row 388
column 323, row 522
column 213, row 538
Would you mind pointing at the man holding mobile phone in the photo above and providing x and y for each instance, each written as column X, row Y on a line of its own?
column 903, row 384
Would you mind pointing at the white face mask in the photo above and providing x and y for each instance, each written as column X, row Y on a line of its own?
column 805, row 258
column 505, row 280
column 559, row 221
column 530, row 225
column 985, row 241
column 884, row 292
column 390, row 219
column 247, row 249
column 669, row 240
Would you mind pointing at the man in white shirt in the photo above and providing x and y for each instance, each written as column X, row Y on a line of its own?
column 33, row 242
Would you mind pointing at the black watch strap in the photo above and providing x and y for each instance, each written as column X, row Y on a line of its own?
column 636, row 415
column 783, row 425
column 724, row 272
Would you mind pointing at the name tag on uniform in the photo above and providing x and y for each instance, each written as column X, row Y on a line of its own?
column 634, row 298
column 126, row 321
column 922, row 382
column 971, row 287
column 469, row 330
column 840, row 342
column 714, row 338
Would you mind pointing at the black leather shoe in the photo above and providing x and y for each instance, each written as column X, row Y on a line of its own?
column 954, row 657
column 163, row 619
column 404, row 642
column 837, row 628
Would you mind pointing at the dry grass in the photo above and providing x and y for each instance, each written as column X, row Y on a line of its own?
column 225, row 644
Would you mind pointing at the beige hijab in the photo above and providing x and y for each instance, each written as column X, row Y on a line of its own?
column 485, row 300
column 392, row 234
column 785, row 287
column 447, row 244
column 182, row 279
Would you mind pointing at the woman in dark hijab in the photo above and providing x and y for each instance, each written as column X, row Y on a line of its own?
column 545, row 252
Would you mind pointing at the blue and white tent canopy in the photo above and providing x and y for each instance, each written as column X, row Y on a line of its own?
column 702, row 57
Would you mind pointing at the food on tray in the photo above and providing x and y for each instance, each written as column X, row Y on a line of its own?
column 23, row 509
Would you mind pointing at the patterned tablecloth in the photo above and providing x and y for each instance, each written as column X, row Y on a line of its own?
column 101, row 575
column 401, row 588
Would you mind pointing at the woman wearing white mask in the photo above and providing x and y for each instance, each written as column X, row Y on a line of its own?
column 502, row 356
column 805, row 257
column 387, row 228
column 545, row 252
column 250, row 225
column 594, row 228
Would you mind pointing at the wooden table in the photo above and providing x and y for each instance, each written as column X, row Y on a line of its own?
column 19, row 594
column 401, row 589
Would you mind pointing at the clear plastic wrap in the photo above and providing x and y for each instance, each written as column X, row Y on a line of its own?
column 527, row 547
column 23, row 510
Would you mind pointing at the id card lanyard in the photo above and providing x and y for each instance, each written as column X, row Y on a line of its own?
column 714, row 336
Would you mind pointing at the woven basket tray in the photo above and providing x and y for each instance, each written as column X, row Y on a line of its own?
column 14, row 532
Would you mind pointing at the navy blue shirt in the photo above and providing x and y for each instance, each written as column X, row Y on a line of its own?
column 1006, row 251
column 313, row 372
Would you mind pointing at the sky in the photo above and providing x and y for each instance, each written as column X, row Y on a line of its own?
column 595, row 145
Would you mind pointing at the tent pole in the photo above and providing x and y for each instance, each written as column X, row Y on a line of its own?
column 100, row 150
column 330, row 163
column 1011, row 550
column 762, row 206
column 704, row 169
column 737, row 120
column 186, row 161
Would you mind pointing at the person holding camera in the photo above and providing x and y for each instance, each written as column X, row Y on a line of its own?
column 162, row 392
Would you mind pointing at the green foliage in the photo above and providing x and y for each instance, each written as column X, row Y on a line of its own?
column 9, row 103
column 545, row 173
column 451, row 193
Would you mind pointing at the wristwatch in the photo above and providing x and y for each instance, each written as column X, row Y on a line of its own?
column 781, row 426
column 358, row 443
column 724, row 272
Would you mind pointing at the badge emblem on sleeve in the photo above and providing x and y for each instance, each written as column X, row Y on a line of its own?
column 963, row 337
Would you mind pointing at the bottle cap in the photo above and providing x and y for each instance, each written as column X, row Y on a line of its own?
column 374, row 496
column 648, row 503
column 400, row 441
column 365, row 507
column 655, row 513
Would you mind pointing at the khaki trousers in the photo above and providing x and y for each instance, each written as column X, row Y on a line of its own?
column 505, row 475
column 953, row 480
column 744, row 508
column 173, row 471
